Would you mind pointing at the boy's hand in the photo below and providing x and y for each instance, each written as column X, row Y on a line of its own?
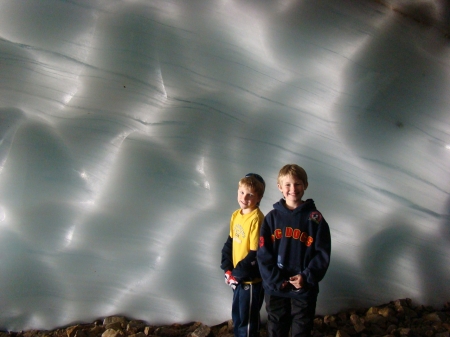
column 227, row 277
column 296, row 281
column 230, row 280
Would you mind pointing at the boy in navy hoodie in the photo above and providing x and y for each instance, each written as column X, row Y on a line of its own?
column 293, row 256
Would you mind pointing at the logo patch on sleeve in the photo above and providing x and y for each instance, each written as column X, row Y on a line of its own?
column 315, row 216
column 261, row 241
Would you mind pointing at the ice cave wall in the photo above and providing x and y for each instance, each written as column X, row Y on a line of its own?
column 126, row 124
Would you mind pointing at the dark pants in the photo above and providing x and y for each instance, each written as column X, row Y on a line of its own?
column 284, row 314
column 247, row 303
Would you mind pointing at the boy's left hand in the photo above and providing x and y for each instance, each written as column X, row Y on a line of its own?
column 296, row 281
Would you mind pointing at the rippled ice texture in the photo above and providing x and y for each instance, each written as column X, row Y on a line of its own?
column 126, row 125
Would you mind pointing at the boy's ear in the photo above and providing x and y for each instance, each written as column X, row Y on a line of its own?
column 279, row 187
column 306, row 186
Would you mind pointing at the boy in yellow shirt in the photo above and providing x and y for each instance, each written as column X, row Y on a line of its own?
column 239, row 257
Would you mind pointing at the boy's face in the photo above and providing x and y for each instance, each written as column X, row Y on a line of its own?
column 247, row 199
column 293, row 190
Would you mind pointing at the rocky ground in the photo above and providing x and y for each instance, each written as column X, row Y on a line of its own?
column 398, row 318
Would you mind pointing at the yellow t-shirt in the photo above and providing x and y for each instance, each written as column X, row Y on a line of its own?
column 244, row 230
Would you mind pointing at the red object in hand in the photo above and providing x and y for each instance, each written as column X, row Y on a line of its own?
column 230, row 280
column 227, row 277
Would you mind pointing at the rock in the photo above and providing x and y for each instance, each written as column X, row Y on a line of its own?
column 405, row 302
column 97, row 330
column 230, row 325
column 410, row 313
column 201, row 331
column 166, row 332
column 148, row 330
column 343, row 316
column 191, row 327
column 176, row 329
column 330, row 321
column 72, row 330
column 358, row 323
column 223, row 330
column 375, row 319
column 114, row 326
column 112, row 333
column 139, row 334
column 386, row 312
column 398, row 318
column 390, row 329
column 404, row 331
column 318, row 323
column 377, row 330
column 135, row 326
column 341, row 333
column 113, row 319
column 442, row 334
column 372, row 311
column 433, row 317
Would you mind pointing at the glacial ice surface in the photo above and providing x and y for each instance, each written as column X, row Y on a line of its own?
column 126, row 125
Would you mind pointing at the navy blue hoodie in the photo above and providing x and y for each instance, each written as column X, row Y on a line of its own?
column 294, row 242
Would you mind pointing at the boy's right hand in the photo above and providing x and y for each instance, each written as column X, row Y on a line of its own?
column 284, row 285
column 227, row 277
column 296, row 281
column 230, row 280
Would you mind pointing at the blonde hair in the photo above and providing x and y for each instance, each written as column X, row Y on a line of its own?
column 254, row 184
column 295, row 171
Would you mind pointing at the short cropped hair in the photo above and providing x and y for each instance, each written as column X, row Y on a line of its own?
column 253, row 184
column 295, row 171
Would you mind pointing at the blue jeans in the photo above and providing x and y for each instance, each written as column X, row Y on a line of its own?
column 247, row 303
